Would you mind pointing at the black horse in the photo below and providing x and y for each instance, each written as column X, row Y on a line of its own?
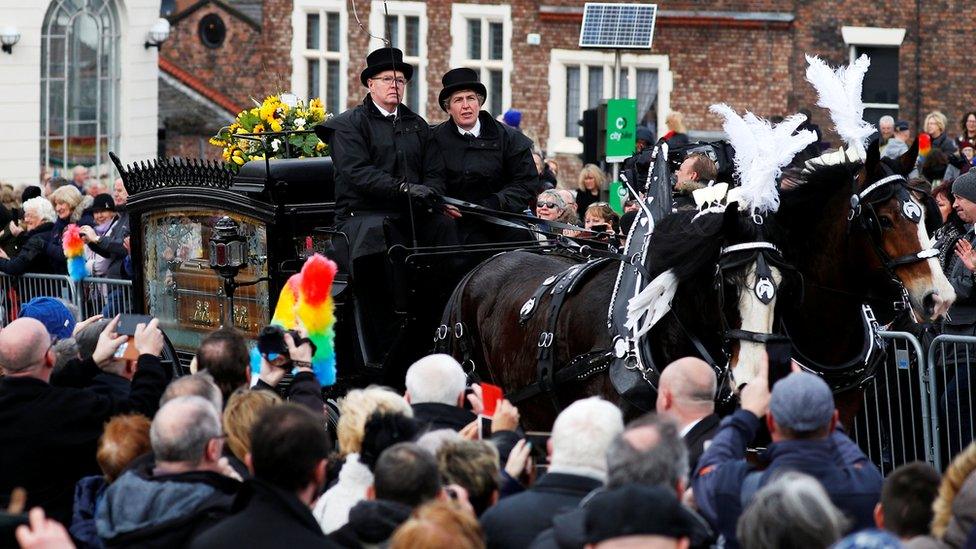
column 506, row 352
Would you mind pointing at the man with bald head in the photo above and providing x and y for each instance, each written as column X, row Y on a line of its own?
column 48, row 433
column 686, row 393
column 188, row 475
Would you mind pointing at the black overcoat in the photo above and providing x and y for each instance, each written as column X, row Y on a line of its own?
column 364, row 149
column 495, row 169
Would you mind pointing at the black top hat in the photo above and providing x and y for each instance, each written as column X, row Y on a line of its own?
column 103, row 202
column 460, row 79
column 385, row 59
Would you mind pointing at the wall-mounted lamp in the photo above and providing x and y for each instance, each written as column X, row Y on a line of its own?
column 8, row 37
column 158, row 34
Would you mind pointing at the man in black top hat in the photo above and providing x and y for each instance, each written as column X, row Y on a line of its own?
column 384, row 161
column 486, row 162
column 387, row 171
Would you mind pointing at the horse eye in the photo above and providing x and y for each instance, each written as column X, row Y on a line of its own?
column 886, row 222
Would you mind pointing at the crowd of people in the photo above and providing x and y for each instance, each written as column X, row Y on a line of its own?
column 107, row 449
column 33, row 220
column 103, row 451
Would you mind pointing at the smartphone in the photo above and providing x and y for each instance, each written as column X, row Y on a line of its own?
column 601, row 228
column 540, row 446
column 484, row 427
column 779, row 350
column 128, row 322
column 491, row 395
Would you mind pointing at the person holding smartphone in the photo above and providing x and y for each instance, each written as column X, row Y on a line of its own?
column 807, row 438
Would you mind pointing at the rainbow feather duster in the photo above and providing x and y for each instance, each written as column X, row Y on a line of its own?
column 307, row 299
column 74, row 252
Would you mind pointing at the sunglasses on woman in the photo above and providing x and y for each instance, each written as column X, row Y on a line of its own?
column 550, row 205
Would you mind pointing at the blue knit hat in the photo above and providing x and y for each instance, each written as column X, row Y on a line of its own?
column 513, row 117
column 53, row 314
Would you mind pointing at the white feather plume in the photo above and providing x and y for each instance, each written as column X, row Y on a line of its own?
column 651, row 303
column 839, row 91
column 761, row 152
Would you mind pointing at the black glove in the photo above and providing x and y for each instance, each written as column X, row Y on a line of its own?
column 420, row 193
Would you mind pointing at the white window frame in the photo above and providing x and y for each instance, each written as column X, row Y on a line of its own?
column 494, row 13
column 873, row 37
column 401, row 10
column 558, row 143
column 300, row 54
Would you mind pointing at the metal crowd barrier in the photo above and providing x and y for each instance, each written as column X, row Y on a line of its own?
column 893, row 424
column 950, row 360
column 91, row 296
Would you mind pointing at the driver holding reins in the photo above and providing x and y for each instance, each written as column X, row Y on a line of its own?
column 486, row 162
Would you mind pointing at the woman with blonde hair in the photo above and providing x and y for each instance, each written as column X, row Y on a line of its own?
column 677, row 135
column 69, row 205
column 955, row 506
column 332, row 509
column 935, row 126
column 590, row 185
column 242, row 411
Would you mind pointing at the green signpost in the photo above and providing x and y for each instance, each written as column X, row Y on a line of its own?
column 621, row 129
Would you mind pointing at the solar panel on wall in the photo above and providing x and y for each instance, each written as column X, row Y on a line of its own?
column 629, row 26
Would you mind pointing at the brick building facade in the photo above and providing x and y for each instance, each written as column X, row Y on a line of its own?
column 749, row 54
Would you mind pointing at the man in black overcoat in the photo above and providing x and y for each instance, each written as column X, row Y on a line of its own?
column 486, row 162
column 386, row 167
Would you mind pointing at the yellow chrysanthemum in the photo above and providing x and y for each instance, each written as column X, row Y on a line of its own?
column 275, row 125
column 269, row 107
column 316, row 104
column 258, row 128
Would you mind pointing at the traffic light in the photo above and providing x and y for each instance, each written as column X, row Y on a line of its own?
column 590, row 137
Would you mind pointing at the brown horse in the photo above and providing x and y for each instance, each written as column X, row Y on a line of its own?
column 505, row 352
column 859, row 234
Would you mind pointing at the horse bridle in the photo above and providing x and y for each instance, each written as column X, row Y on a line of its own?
column 864, row 215
column 763, row 254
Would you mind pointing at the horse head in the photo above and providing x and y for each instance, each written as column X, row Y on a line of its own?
column 893, row 219
column 724, row 271
column 751, row 268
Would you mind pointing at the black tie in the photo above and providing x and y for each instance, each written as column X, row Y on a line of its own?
column 391, row 117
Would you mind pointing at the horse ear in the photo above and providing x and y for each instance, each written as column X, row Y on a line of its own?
column 907, row 160
column 873, row 156
column 730, row 219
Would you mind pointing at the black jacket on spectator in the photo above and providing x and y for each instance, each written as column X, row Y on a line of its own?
column 702, row 432
column 145, row 510
column 569, row 531
column 515, row 521
column 49, row 433
column 371, row 522
column 111, row 246
column 54, row 247
column 304, row 389
column 432, row 416
column 364, row 149
column 265, row 516
column 31, row 257
column 495, row 169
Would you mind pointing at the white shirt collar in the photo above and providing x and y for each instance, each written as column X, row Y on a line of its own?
column 475, row 131
column 687, row 428
column 383, row 111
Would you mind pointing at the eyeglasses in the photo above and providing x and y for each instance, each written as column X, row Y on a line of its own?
column 388, row 80
column 550, row 205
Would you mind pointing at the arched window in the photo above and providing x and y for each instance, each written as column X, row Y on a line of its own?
column 79, row 84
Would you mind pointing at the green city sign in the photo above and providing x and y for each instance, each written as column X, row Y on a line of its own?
column 621, row 129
